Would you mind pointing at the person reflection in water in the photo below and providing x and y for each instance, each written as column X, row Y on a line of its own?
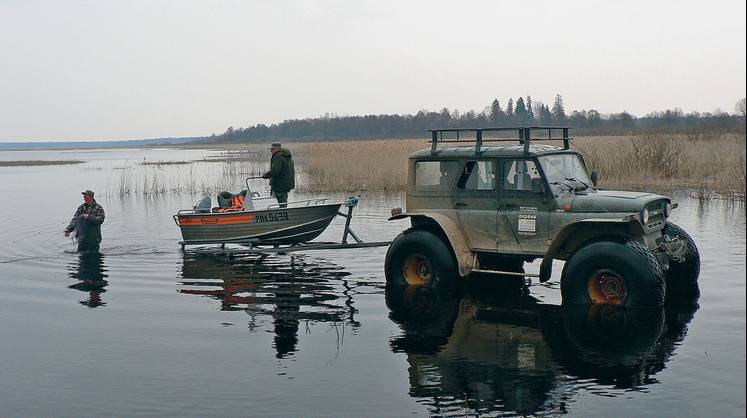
column 287, row 307
column 90, row 272
column 290, row 292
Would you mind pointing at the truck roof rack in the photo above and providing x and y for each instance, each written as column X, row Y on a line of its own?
column 524, row 136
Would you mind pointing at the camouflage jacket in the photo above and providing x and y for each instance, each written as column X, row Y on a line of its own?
column 89, row 226
column 282, row 174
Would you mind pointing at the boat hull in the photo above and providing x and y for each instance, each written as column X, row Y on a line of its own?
column 290, row 225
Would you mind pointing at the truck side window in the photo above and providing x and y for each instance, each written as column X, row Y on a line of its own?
column 520, row 175
column 477, row 175
column 435, row 175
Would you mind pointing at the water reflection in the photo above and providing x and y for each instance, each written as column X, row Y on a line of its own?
column 471, row 351
column 90, row 271
column 291, row 290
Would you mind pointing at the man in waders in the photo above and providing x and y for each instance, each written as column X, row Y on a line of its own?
column 87, row 223
column 282, row 175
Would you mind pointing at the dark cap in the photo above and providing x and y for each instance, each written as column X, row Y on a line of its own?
column 87, row 193
column 275, row 145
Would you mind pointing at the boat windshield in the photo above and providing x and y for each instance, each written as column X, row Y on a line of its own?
column 565, row 172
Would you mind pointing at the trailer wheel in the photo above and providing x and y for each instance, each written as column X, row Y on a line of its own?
column 419, row 258
column 613, row 273
column 683, row 273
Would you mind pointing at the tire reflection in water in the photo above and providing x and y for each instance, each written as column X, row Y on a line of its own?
column 472, row 351
column 291, row 290
column 90, row 271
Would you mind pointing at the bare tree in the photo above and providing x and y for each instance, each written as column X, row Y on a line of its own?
column 740, row 107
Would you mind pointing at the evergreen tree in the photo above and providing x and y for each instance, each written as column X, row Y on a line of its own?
column 510, row 107
column 497, row 115
column 545, row 116
column 558, row 111
column 520, row 112
column 530, row 111
column 509, row 112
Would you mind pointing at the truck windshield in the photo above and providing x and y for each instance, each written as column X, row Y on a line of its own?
column 565, row 172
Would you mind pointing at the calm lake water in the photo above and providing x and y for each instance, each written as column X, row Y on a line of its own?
column 144, row 329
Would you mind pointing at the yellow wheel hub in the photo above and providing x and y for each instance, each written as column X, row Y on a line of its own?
column 418, row 270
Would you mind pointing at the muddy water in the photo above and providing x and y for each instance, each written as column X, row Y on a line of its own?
column 143, row 329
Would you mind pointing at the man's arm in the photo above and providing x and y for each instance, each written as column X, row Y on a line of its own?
column 276, row 167
column 97, row 216
column 76, row 219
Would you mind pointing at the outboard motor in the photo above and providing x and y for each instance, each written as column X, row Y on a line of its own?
column 203, row 206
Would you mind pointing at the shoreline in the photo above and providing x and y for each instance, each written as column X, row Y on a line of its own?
column 707, row 167
column 35, row 163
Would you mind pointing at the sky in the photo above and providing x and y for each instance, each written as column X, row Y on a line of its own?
column 116, row 70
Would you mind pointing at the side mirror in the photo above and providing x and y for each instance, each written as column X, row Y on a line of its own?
column 594, row 177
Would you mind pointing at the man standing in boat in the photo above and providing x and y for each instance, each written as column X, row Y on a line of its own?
column 87, row 223
column 282, row 175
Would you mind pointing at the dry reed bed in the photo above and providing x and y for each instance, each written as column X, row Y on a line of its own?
column 195, row 177
column 166, row 162
column 708, row 165
column 352, row 166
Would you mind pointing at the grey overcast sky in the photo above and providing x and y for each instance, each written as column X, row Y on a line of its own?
column 95, row 70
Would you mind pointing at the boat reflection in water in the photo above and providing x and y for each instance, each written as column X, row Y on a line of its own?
column 289, row 289
column 90, row 271
column 470, row 352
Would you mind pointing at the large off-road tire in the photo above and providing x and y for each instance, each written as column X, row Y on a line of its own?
column 682, row 275
column 420, row 258
column 613, row 273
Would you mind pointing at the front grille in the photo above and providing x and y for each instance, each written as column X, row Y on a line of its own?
column 656, row 215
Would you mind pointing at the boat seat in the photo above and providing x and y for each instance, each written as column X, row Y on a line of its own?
column 224, row 199
column 203, row 206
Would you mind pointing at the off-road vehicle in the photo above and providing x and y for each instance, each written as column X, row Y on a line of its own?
column 488, row 203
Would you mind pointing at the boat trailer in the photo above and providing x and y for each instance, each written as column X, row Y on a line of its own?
column 259, row 246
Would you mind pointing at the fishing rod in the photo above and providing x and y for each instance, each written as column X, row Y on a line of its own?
column 250, row 178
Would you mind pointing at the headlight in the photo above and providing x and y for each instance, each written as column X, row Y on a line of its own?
column 644, row 216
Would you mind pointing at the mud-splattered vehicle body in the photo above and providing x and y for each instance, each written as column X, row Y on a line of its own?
column 488, row 203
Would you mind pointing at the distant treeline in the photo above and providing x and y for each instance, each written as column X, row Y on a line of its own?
column 519, row 113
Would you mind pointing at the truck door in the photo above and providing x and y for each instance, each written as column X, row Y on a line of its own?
column 475, row 203
column 523, row 221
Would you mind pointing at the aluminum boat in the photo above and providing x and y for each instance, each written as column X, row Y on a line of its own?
column 299, row 222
